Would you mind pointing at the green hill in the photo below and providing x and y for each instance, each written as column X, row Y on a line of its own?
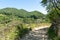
column 15, row 23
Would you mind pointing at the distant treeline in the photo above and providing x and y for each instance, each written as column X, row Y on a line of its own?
column 21, row 13
column 25, row 16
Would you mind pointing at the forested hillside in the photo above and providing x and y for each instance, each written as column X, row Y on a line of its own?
column 15, row 23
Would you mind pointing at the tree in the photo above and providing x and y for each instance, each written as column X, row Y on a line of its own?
column 53, row 8
column 52, row 4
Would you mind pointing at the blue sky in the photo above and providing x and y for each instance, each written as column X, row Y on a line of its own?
column 29, row 5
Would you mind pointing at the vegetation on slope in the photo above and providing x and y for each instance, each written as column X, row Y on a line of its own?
column 15, row 23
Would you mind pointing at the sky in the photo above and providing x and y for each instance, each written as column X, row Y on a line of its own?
column 29, row 5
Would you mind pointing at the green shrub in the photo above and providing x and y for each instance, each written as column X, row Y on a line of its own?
column 22, row 30
column 57, row 38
